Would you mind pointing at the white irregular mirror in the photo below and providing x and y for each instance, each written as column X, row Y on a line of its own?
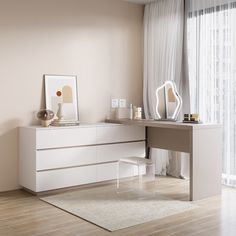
column 169, row 102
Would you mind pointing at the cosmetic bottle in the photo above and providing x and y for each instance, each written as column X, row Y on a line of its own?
column 131, row 112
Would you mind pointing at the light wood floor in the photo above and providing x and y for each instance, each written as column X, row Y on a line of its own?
column 23, row 214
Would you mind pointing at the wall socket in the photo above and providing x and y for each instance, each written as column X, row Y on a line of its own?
column 122, row 103
column 114, row 103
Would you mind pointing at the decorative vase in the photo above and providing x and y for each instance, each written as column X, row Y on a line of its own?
column 45, row 116
column 45, row 123
column 60, row 111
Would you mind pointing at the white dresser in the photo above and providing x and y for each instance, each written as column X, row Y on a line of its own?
column 60, row 157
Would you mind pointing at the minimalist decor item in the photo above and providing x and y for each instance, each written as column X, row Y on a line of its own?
column 131, row 112
column 45, row 116
column 121, row 113
column 62, row 89
column 137, row 113
column 60, row 114
column 191, row 118
column 60, row 121
column 109, row 210
column 169, row 102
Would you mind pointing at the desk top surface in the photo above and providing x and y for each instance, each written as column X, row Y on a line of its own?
column 143, row 123
column 164, row 124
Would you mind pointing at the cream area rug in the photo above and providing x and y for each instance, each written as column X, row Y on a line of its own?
column 110, row 210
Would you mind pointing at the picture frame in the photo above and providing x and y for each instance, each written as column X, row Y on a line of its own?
column 62, row 89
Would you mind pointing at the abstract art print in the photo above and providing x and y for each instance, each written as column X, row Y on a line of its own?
column 62, row 89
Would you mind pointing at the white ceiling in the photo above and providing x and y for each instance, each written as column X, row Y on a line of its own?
column 139, row 1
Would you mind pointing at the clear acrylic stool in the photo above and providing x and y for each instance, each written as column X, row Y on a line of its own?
column 145, row 169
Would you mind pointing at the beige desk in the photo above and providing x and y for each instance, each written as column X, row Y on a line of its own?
column 202, row 141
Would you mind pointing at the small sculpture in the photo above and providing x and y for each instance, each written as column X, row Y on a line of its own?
column 60, row 112
column 45, row 116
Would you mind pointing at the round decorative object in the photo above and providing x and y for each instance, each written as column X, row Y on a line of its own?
column 59, row 93
column 45, row 116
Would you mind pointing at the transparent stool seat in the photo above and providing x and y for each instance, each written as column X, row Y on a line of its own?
column 143, row 171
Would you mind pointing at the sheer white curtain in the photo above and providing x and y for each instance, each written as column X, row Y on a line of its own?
column 211, row 37
column 163, row 51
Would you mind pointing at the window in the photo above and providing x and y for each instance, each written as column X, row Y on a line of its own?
column 211, row 38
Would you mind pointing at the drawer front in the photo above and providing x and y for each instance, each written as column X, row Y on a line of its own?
column 65, row 137
column 113, row 152
column 55, row 179
column 67, row 157
column 121, row 133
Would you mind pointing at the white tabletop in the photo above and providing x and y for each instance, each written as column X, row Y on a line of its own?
column 164, row 124
column 81, row 125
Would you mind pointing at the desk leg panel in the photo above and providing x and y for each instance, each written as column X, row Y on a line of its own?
column 205, row 163
column 169, row 139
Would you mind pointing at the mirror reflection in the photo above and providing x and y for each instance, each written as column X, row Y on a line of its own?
column 169, row 102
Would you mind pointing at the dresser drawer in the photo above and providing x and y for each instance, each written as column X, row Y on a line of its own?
column 67, row 157
column 114, row 152
column 62, row 178
column 54, row 138
column 121, row 133
column 60, row 157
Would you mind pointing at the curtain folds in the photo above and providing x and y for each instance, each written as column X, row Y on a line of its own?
column 193, row 43
column 163, row 60
column 212, row 68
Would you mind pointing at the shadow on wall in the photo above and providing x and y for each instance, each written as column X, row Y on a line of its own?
column 9, row 147
column 9, row 154
column 33, row 120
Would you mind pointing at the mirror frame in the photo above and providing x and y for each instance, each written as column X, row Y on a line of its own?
column 177, row 96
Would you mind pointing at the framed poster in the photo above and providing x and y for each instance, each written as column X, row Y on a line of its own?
column 62, row 89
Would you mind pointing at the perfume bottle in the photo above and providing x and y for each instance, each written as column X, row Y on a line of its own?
column 138, row 113
column 131, row 112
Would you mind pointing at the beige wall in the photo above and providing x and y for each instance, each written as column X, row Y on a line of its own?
column 98, row 40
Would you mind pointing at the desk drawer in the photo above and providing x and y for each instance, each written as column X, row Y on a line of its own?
column 55, row 179
column 67, row 157
column 114, row 152
column 123, row 133
column 55, row 138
